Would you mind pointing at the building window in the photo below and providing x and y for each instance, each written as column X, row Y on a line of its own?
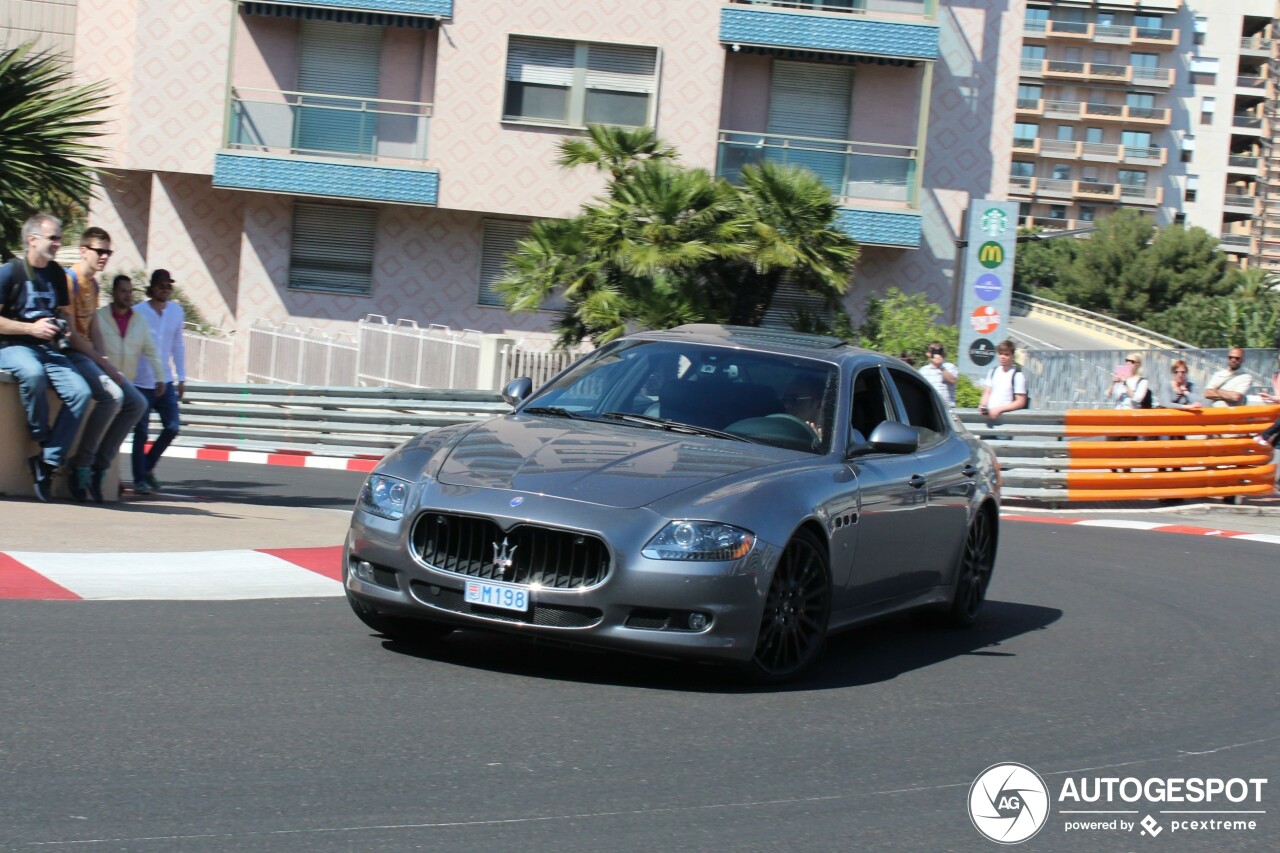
column 1193, row 184
column 1057, row 211
column 579, row 83
column 1088, row 213
column 1179, row 218
column 496, row 247
column 332, row 249
column 1093, row 134
column 1201, row 27
column 1208, row 106
column 1061, row 172
column 1131, row 178
column 1206, row 65
column 1149, row 26
column 1022, row 169
column 1024, row 135
column 1066, row 132
column 1188, row 149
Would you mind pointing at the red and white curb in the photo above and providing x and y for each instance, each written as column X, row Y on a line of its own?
column 1152, row 526
column 288, row 458
column 172, row 576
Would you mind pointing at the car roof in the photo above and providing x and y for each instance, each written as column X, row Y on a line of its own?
column 762, row 339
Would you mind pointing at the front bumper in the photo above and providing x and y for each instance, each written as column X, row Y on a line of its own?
column 641, row 605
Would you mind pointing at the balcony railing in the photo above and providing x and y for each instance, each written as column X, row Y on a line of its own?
column 1097, row 72
column 1237, row 161
column 1140, row 194
column 1235, row 240
column 906, row 8
column 1255, row 43
column 1102, row 33
column 851, row 170
column 1251, row 82
column 1054, row 223
column 1247, row 120
column 1104, row 152
column 311, row 124
column 1239, row 200
column 1147, row 156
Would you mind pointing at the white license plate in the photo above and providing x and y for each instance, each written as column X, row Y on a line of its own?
column 505, row 596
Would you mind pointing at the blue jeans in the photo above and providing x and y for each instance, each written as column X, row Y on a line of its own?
column 144, row 461
column 117, row 408
column 37, row 369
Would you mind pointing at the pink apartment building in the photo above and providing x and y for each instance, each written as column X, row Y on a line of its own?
column 315, row 161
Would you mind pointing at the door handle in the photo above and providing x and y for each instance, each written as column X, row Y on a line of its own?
column 917, row 481
column 970, row 471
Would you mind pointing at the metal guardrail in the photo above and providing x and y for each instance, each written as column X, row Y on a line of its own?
column 352, row 421
column 1108, row 326
column 1130, row 454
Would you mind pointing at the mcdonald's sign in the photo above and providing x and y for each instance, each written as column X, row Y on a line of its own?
column 991, row 254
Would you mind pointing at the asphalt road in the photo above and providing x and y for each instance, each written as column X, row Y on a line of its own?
column 287, row 726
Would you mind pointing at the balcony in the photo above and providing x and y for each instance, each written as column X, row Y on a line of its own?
column 861, row 175
column 1092, row 191
column 1138, row 194
column 1247, row 122
column 1054, row 223
column 1141, row 156
column 1022, row 185
column 1075, row 31
column 903, row 30
column 1096, row 152
column 1077, row 110
column 327, row 145
column 1096, row 72
column 1256, row 46
column 1243, row 165
column 1240, row 203
column 1253, row 84
column 1236, row 244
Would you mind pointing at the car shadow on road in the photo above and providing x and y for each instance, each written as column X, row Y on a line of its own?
column 873, row 653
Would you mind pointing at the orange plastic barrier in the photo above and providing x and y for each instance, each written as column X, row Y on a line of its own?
column 1150, row 459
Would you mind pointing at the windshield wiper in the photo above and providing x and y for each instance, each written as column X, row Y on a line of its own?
column 551, row 411
column 672, row 426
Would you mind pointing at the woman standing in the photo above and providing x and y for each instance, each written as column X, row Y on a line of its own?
column 1181, row 389
column 1128, row 386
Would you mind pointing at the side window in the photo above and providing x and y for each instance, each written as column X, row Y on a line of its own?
column 870, row 407
column 920, row 406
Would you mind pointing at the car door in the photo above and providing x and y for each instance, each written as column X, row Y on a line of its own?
column 892, row 497
column 944, row 461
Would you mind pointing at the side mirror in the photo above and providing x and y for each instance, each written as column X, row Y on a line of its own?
column 517, row 390
column 894, row 437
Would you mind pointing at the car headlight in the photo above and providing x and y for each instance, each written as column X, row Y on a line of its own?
column 384, row 496
column 700, row 540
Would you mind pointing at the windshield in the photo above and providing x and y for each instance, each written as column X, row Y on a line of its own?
column 784, row 401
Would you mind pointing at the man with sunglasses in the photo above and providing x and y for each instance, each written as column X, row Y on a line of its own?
column 117, row 405
column 33, row 325
column 164, row 391
column 1230, row 385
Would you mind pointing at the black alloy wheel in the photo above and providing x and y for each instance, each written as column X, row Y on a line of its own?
column 796, row 612
column 974, row 572
column 398, row 628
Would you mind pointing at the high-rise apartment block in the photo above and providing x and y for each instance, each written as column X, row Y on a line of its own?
column 314, row 161
column 1158, row 105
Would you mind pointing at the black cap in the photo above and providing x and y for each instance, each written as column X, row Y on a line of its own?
column 161, row 276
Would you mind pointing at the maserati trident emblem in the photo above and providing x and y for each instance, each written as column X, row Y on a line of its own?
column 503, row 557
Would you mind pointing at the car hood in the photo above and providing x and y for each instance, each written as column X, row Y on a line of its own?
column 601, row 463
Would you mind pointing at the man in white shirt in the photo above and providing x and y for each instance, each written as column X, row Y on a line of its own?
column 1005, row 388
column 940, row 373
column 1230, row 385
column 166, row 319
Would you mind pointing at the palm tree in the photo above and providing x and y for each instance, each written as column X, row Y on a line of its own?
column 46, row 127
column 616, row 150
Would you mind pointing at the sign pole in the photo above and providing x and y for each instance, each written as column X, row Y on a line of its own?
column 987, row 283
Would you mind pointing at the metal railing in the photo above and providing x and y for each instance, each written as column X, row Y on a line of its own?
column 1240, row 200
column 288, row 355
column 209, row 356
column 1246, row 120
column 1255, row 43
column 1241, row 162
column 850, row 169
column 403, row 355
column 539, row 363
column 1109, row 33
column 1031, row 305
column 309, row 123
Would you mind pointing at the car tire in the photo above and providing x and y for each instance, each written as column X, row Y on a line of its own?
column 396, row 627
column 797, row 609
column 973, row 574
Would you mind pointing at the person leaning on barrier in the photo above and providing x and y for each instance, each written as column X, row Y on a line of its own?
column 1005, row 388
column 1132, row 391
column 33, row 329
column 1181, row 389
column 1230, row 385
column 117, row 405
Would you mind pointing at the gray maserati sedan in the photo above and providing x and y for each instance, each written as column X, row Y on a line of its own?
column 706, row 492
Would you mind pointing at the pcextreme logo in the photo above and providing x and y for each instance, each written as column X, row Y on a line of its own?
column 1009, row 803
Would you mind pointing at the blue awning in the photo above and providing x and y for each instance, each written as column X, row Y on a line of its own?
column 339, row 16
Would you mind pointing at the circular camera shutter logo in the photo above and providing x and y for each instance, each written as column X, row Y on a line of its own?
column 1008, row 803
column 988, row 287
column 982, row 352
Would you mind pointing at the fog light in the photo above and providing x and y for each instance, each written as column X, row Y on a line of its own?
column 697, row 621
column 363, row 571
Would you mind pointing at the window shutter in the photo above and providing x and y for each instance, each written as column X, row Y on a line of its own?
column 333, row 248
column 498, row 243
column 339, row 59
column 547, row 63
column 789, row 302
column 617, row 68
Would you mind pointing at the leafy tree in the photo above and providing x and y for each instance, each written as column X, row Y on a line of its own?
column 1039, row 264
column 897, row 323
column 46, row 145
column 667, row 244
column 1248, row 316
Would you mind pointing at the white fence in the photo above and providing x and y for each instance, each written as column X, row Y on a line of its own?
column 209, row 356
column 397, row 354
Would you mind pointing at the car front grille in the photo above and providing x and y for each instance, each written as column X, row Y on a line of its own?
column 475, row 547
